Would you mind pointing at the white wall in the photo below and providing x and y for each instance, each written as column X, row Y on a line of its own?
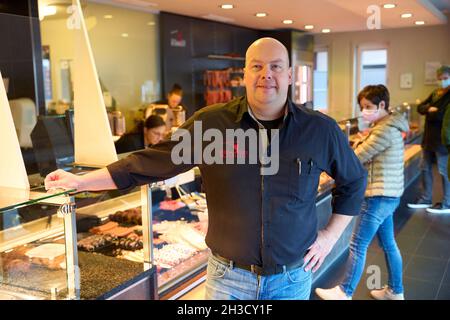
column 408, row 50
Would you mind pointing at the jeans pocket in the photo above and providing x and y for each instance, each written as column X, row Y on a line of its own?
column 216, row 269
column 299, row 275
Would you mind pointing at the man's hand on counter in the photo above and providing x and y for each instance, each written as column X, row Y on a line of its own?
column 62, row 179
column 92, row 181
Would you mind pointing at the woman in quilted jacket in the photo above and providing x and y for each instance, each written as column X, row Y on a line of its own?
column 382, row 152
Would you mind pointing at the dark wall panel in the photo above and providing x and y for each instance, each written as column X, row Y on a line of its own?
column 175, row 42
column 205, row 38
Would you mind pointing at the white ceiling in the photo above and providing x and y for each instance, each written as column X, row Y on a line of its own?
column 337, row 15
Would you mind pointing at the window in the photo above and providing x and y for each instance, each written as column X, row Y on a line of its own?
column 302, row 84
column 320, row 85
column 372, row 68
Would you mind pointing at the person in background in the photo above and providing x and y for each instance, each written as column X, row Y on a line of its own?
column 382, row 151
column 146, row 134
column 433, row 148
column 175, row 96
column 445, row 87
column 173, row 107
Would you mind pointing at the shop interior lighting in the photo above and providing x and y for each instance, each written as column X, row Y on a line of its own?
column 227, row 6
column 389, row 6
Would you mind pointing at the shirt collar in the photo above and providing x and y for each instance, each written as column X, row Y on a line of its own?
column 244, row 108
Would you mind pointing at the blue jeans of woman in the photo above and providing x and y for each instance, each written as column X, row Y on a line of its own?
column 225, row 282
column 376, row 218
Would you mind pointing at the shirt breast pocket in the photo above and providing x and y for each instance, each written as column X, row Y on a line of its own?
column 303, row 179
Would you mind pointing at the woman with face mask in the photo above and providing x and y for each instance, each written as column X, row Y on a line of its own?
column 382, row 152
column 434, row 149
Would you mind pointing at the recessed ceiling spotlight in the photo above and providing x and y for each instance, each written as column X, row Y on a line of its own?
column 288, row 21
column 389, row 6
column 151, row 23
column 406, row 15
column 227, row 6
column 419, row 23
column 261, row 14
column 108, row 16
column 309, row 27
column 326, row 30
column 125, row 35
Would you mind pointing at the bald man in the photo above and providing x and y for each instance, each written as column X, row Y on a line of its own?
column 262, row 230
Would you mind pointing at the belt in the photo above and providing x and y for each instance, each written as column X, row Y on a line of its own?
column 258, row 270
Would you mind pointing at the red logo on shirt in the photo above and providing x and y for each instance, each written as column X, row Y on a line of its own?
column 236, row 153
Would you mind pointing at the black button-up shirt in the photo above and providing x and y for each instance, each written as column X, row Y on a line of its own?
column 265, row 220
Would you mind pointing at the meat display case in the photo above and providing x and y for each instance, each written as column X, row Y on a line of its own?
column 176, row 248
column 49, row 251
column 38, row 253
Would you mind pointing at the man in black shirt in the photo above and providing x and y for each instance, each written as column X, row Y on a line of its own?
column 262, row 228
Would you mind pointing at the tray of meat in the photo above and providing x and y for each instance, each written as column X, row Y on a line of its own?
column 131, row 216
column 132, row 242
column 103, row 229
column 96, row 243
column 120, row 232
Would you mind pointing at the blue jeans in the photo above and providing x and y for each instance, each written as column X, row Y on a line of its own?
column 226, row 283
column 426, row 166
column 376, row 218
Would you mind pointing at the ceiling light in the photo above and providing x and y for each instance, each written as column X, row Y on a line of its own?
column 419, row 23
column 49, row 10
column 151, row 23
column 46, row 11
column 125, row 35
column 389, row 6
column 261, row 14
column 309, row 27
column 406, row 15
column 326, row 30
column 108, row 16
column 227, row 6
column 288, row 21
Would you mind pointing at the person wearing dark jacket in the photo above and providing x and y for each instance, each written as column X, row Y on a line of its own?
column 433, row 150
column 146, row 134
column 445, row 85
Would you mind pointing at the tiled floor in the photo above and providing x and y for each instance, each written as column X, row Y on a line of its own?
column 424, row 241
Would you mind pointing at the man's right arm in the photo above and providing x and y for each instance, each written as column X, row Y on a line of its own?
column 141, row 167
column 94, row 181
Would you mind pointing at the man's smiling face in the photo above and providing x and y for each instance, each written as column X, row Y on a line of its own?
column 267, row 73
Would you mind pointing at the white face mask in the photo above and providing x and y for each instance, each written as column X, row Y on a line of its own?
column 370, row 115
column 445, row 83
